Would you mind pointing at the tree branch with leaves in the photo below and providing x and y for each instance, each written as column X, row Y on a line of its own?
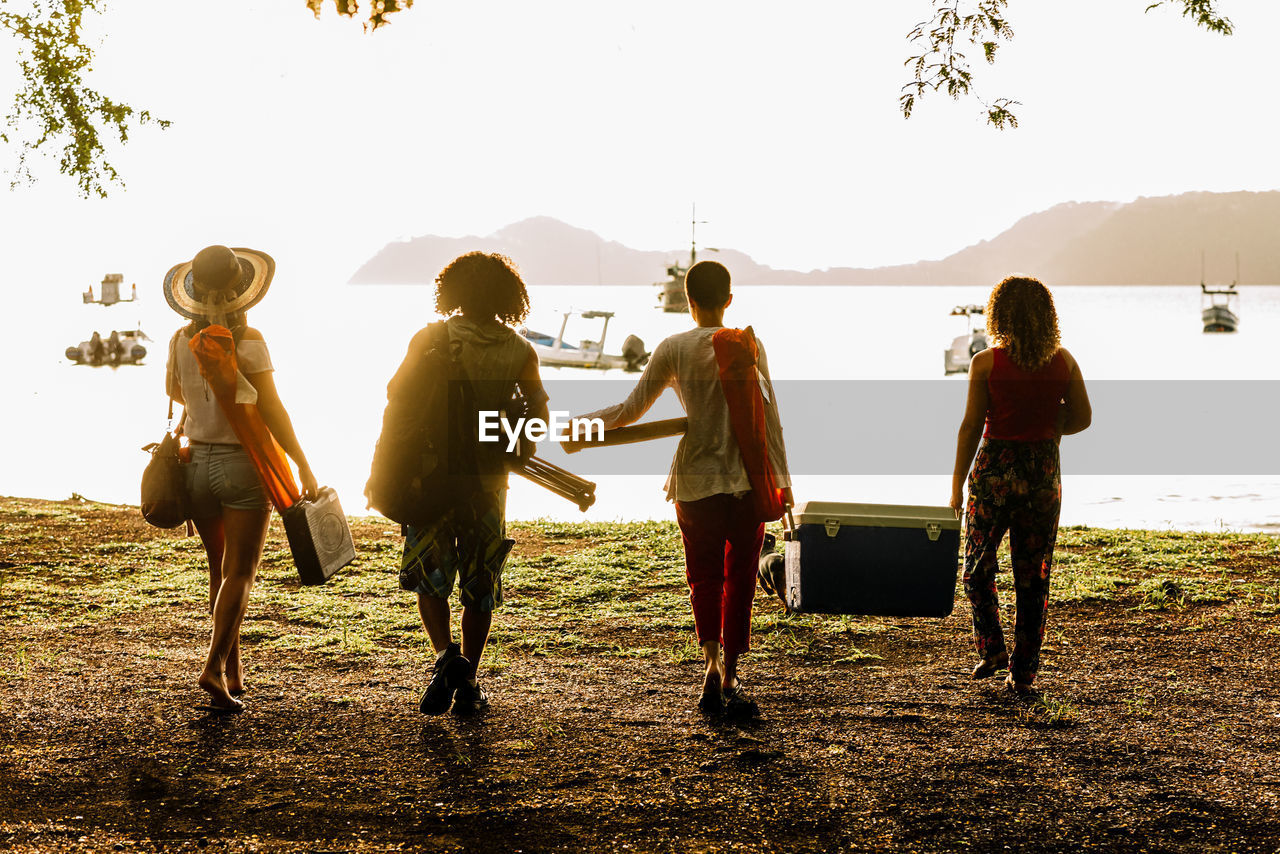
column 378, row 10
column 56, row 109
column 942, row 65
column 55, row 106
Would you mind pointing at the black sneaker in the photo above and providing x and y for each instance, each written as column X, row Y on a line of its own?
column 471, row 699
column 450, row 671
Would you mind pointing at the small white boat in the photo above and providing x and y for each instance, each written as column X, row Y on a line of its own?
column 1219, row 306
column 672, row 297
column 118, row 348
column 111, row 283
column 1218, row 314
column 957, row 357
column 555, row 352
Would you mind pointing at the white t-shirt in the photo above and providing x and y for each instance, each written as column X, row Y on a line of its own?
column 707, row 461
column 205, row 420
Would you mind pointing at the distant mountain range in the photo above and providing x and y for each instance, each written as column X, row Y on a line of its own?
column 1151, row 241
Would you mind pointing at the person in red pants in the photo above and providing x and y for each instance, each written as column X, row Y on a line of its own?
column 709, row 484
column 1025, row 394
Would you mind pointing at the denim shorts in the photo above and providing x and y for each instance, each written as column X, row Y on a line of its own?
column 222, row 476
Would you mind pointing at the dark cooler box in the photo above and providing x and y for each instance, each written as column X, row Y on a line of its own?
column 319, row 537
column 885, row 560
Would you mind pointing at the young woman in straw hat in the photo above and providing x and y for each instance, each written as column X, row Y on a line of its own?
column 228, row 503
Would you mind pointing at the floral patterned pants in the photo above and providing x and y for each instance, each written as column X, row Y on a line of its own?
column 1014, row 487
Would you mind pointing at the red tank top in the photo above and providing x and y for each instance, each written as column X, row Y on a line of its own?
column 1023, row 405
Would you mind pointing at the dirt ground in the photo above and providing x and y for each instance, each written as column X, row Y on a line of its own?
column 1159, row 728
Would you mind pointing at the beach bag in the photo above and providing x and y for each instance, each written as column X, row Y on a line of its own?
column 164, row 480
column 164, row 484
column 424, row 463
column 736, row 355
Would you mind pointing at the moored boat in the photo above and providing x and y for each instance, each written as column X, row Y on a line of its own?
column 672, row 297
column 1218, row 308
column 956, row 358
column 555, row 352
column 119, row 348
column 110, row 291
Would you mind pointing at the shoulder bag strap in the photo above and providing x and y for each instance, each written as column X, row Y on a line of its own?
column 171, row 375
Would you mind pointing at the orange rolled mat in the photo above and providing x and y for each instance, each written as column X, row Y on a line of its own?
column 215, row 352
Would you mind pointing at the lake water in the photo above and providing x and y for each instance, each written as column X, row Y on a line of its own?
column 71, row 429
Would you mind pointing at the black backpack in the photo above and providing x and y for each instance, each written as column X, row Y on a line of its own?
column 424, row 464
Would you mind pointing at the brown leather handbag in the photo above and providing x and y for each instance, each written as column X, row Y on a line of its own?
column 164, row 481
column 164, row 485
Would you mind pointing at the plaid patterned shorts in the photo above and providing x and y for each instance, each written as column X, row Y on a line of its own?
column 470, row 544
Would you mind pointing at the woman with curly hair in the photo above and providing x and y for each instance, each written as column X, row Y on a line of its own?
column 1025, row 393
column 482, row 296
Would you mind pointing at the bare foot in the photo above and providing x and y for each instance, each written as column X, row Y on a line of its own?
column 988, row 666
column 1021, row 688
column 711, row 700
column 235, row 678
column 216, row 685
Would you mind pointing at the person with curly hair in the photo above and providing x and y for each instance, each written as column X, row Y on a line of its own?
column 1025, row 393
column 482, row 295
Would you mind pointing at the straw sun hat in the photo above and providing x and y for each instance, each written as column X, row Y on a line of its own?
column 219, row 282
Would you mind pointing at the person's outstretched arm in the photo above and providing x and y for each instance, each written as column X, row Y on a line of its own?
column 658, row 375
column 975, row 416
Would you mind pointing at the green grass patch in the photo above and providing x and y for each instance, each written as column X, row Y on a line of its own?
column 606, row 589
column 1046, row 710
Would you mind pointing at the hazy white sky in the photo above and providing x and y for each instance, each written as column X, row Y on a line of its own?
column 315, row 140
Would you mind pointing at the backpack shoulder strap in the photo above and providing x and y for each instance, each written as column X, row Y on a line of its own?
column 431, row 336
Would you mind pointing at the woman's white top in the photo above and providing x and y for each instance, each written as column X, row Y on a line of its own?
column 707, row 461
column 205, row 420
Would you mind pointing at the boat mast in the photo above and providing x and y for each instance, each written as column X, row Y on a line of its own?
column 693, row 233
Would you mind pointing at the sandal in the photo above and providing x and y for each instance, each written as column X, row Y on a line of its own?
column 988, row 666
column 739, row 704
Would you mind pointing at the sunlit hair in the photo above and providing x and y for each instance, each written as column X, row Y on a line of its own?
column 1021, row 319
column 482, row 284
column 707, row 284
